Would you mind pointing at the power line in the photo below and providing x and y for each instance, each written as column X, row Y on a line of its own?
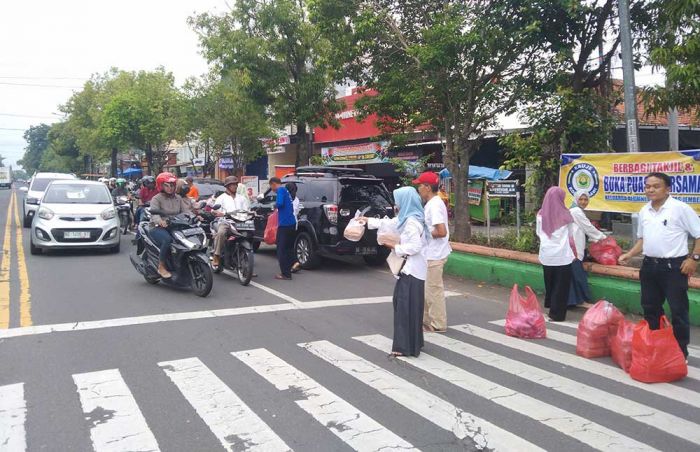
column 17, row 77
column 37, row 85
column 18, row 115
column 9, row 128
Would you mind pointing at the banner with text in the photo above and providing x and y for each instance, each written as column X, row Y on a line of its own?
column 615, row 182
column 356, row 154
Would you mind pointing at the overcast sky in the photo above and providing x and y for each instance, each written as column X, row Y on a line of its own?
column 62, row 42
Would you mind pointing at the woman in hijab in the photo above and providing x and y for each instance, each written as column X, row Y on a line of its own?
column 579, row 293
column 242, row 193
column 409, row 292
column 555, row 230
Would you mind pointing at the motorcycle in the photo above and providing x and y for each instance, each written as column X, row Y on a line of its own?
column 123, row 206
column 188, row 261
column 237, row 254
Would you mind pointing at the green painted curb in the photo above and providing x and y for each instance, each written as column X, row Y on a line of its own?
column 624, row 293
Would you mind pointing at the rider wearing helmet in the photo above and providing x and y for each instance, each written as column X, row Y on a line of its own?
column 146, row 193
column 112, row 184
column 167, row 203
column 229, row 202
column 120, row 188
column 182, row 188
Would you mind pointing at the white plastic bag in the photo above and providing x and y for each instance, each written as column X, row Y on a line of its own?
column 355, row 229
column 395, row 262
column 388, row 233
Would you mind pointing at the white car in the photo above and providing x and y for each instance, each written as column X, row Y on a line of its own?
column 33, row 196
column 75, row 214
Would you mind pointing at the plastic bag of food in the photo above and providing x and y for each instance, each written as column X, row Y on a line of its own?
column 524, row 318
column 270, row 235
column 355, row 229
column 621, row 345
column 605, row 251
column 595, row 328
column 388, row 233
column 656, row 356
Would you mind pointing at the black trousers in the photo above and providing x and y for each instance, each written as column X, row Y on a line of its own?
column 409, row 301
column 557, row 283
column 285, row 249
column 661, row 280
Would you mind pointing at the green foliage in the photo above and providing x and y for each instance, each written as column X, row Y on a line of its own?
column 20, row 174
column 316, row 160
column 409, row 169
column 282, row 54
column 37, row 138
column 528, row 242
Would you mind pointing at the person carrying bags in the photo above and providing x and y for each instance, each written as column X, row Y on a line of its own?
column 580, row 293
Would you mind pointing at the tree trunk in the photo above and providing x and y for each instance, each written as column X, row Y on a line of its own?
column 149, row 159
column 114, row 161
column 302, row 151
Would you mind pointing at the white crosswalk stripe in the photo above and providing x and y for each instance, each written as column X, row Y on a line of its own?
column 436, row 410
column 692, row 351
column 570, row 339
column 13, row 414
column 351, row 425
column 235, row 425
column 604, row 370
column 569, row 424
column 645, row 414
column 116, row 422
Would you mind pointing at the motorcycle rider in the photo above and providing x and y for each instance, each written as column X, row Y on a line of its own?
column 229, row 201
column 120, row 188
column 166, row 203
column 146, row 193
column 182, row 188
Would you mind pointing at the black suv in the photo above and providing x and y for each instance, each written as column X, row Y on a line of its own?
column 329, row 199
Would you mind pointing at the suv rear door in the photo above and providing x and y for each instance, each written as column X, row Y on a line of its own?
column 366, row 195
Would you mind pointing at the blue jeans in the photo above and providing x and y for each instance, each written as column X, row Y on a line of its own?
column 163, row 239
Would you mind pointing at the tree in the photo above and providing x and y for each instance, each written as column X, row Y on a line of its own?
column 37, row 143
column 284, row 56
column 62, row 154
column 19, row 174
column 673, row 38
column 456, row 65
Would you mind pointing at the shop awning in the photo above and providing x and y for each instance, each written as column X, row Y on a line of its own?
column 481, row 172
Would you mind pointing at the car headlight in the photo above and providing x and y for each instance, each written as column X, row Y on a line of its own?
column 45, row 213
column 108, row 214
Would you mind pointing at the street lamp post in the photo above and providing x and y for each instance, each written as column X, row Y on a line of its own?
column 628, row 77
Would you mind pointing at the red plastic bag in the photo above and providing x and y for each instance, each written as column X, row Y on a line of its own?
column 270, row 236
column 595, row 328
column 605, row 251
column 656, row 356
column 524, row 318
column 621, row 345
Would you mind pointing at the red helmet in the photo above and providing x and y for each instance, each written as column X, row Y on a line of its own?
column 163, row 178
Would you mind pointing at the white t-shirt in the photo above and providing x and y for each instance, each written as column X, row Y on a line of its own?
column 665, row 232
column 555, row 251
column 230, row 203
column 436, row 213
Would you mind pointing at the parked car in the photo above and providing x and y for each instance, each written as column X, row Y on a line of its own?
column 208, row 188
column 330, row 197
column 35, row 192
column 75, row 214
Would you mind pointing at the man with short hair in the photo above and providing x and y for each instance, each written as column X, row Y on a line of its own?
column 434, row 311
column 194, row 191
column 664, row 226
column 229, row 202
column 286, row 228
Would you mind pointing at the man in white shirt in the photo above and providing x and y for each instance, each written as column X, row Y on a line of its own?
column 434, row 313
column 229, row 203
column 664, row 226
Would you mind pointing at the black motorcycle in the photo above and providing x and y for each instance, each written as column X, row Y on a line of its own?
column 188, row 261
column 123, row 206
column 237, row 254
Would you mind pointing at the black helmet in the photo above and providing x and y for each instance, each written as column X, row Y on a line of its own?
column 149, row 181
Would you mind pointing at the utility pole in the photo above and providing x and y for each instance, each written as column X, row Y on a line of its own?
column 628, row 77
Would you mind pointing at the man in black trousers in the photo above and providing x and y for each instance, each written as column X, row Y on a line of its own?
column 664, row 226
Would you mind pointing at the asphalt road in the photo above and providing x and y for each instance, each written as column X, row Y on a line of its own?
column 97, row 359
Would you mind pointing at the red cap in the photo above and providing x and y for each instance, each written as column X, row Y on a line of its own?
column 427, row 177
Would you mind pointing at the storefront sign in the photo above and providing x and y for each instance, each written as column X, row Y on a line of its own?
column 502, row 188
column 615, row 182
column 476, row 191
column 275, row 150
column 358, row 154
column 252, row 184
column 226, row 163
column 198, row 161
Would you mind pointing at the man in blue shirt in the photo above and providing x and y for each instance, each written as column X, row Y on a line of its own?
column 286, row 229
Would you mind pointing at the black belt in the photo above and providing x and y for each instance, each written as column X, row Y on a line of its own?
column 665, row 260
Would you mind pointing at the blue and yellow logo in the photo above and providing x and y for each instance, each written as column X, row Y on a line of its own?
column 582, row 177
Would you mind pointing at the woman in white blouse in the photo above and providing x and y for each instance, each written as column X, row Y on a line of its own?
column 409, row 292
column 579, row 293
column 555, row 230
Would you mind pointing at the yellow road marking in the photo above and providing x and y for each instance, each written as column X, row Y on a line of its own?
column 5, row 268
column 25, row 305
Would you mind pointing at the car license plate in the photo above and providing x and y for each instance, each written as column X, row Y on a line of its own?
column 366, row 250
column 76, row 235
column 247, row 226
column 192, row 231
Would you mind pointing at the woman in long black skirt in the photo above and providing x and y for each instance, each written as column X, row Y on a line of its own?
column 409, row 292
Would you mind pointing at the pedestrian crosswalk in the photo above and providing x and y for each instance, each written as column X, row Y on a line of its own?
column 473, row 388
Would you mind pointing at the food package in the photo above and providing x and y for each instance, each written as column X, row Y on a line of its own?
column 656, row 355
column 388, row 233
column 595, row 328
column 270, row 235
column 524, row 318
column 606, row 251
column 621, row 345
column 354, row 230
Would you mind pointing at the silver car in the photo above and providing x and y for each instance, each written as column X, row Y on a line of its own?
column 35, row 192
column 75, row 214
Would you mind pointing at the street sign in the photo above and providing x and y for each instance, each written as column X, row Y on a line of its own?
column 198, row 161
column 502, row 188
